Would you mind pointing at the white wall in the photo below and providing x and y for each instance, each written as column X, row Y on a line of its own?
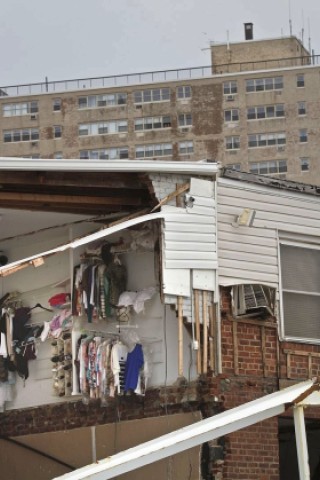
column 157, row 326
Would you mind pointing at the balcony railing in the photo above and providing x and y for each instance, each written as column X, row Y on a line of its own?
column 158, row 76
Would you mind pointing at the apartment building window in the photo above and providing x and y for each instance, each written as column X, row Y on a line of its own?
column 232, row 142
column 300, row 290
column 103, row 128
column 185, row 147
column 105, row 153
column 152, row 123
column 185, row 119
column 184, row 91
column 234, row 166
column 269, row 167
column 263, row 84
column 157, row 150
column 152, row 95
column 266, row 139
column 56, row 104
column 303, row 135
column 231, row 115
column 300, row 80
column 265, row 111
column 302, row 108
column 57, row 131
column 58, row 155
column 305, row 164
column 22, row 135
column 19, row 109
column 100, row 101
column 229, row 88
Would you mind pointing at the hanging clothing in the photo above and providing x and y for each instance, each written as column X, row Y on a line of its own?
column 118, row 364
column 134, row 363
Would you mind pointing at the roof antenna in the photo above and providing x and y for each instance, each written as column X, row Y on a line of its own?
column 302, row 30
column 228, row 41
column 309, row 36
column 290, row 21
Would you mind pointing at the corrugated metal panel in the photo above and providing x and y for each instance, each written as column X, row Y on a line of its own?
column 250, row 254
column 189, row 235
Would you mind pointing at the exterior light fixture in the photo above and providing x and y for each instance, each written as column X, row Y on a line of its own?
column 245, row 219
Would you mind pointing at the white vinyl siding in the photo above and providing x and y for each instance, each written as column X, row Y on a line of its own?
column 250, row 254
column 189, row 239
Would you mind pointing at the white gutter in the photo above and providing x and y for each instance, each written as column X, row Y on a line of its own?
column 193, row 435
column 87, row 239
column 138, row 166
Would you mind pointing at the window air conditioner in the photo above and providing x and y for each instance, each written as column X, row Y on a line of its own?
column 33, row 117
column 248, row 299
column 138, row 107
column 185, row 129
column 230, row 98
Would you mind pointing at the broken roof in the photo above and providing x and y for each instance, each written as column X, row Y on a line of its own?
column 268, row 181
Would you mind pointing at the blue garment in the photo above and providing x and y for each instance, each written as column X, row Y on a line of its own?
column 134, row 363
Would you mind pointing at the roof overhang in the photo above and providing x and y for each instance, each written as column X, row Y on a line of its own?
column 87, row 187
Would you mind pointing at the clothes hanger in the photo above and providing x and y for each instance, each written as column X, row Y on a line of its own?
column 38, row 305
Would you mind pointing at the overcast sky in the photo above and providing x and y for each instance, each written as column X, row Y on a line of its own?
column 64, row 39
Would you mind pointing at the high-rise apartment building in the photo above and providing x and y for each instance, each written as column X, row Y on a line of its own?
column 256, row 108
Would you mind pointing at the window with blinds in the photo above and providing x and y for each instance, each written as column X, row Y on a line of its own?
column 300, row 274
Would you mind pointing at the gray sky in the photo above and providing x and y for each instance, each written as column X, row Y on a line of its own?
column 64, row 39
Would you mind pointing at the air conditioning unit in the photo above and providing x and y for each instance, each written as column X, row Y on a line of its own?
column 34, row 116
column 138, row 107
column 248, row 299
column 230, row 98
column 185, row 129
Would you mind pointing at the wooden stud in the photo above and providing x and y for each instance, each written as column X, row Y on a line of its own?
column 212, row 330
column 263, row 348
column 205, row 330
column 180, row 337
column 288, row 365
column 235, row 347
column 197, row 321
column 310, row 365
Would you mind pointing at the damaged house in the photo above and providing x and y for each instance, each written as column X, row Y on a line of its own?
column 140, row 297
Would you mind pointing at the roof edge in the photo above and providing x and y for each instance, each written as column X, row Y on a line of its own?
column 202, row 167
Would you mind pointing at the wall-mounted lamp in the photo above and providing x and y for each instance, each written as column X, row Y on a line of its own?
column 245, row 219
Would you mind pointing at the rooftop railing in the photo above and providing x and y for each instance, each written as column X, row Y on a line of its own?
column 158, row 76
